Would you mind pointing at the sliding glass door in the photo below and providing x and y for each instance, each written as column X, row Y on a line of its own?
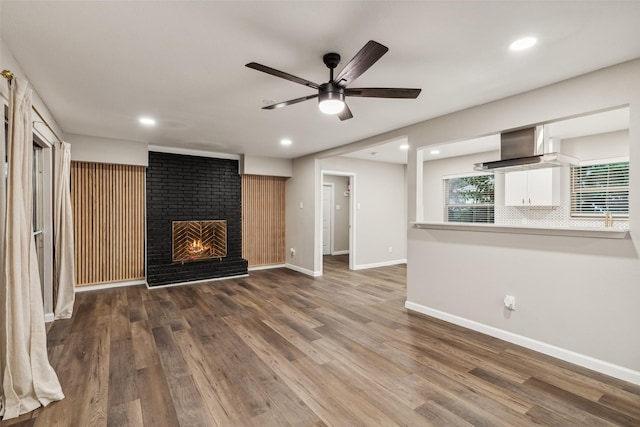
column 38, row 208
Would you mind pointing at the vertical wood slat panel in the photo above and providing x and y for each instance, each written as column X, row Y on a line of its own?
column 263, row 220
column 108, row 222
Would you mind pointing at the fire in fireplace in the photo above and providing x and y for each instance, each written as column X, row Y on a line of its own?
column 197, row 240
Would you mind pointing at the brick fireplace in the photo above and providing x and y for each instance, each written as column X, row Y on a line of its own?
column 205, row 193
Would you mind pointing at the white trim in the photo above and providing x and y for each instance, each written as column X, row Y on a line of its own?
column 331, row 215
column 603, row 161
column 585, row 361
column 303, row 270
column 380, row 264
column 466, row 174
column 267, row 267
column 190, row 152
column 110, row 285
column 195, row 282
column 49, row 317
column 345, row 252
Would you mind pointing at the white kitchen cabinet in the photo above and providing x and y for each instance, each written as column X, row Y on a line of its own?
column 535, row 187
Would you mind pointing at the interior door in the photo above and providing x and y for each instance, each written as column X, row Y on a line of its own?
column 327, row 202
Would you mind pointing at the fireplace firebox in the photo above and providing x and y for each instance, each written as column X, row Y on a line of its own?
column 198, row 240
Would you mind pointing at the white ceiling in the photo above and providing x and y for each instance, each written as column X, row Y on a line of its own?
column 99, row 65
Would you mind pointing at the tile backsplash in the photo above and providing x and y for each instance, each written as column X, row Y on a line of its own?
column 549, row 216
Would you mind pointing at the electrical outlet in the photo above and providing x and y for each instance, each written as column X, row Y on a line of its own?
column 293, row 252
column 390, row 249
column 510, row 302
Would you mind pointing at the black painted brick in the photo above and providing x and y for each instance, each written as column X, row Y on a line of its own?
column 183, row 188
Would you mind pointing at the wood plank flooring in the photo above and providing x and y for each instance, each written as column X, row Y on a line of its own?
column 283, row 349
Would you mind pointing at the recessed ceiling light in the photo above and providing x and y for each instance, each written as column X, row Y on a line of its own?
column 147, row 121
column 285, row 141
column 404, row 147
column 523, row 43
column 434, row 152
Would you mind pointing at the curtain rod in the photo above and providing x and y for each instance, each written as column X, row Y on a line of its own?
column 9, row 76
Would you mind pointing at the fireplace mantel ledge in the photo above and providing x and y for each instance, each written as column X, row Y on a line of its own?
column 605, row 233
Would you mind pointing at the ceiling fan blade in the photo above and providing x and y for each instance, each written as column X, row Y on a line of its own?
column 383, row 92
column 364, row 59
column 282, row 74
column 345, row 114
column 289, row 102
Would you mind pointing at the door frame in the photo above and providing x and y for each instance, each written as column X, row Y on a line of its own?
column 352, row 215
column 47, row 229
column 331, row 216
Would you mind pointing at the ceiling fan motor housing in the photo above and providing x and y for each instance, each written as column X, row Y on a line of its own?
column 330, row 91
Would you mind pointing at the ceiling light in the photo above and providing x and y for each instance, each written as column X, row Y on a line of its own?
column 147, row 121
column 331, row 98
column 285, row 141
column 434, row 152
column 404, row 147
column 523, row 43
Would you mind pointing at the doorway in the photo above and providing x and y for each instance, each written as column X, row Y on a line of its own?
column 338, row 220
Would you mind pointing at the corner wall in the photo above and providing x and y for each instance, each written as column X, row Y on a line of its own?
column 577, row 297
column 301, row 203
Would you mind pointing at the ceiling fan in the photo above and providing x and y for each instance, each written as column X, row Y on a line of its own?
column 331, row 95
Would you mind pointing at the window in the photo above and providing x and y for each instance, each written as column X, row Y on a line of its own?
column 469, row 199
column 600, row 188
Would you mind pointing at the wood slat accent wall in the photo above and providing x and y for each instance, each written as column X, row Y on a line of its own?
column 108, row 222
column 263, row 220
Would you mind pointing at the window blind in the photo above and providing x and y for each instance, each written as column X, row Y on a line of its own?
column 601, row 188
column 469, row 199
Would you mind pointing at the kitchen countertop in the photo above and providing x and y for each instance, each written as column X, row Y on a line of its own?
column 598, row 232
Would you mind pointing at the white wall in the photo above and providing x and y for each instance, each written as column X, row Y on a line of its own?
column 380, row 217
column 577, row 297
column 8, row 62
column 435, row 170
column 301, row 203
column 269, row 166
column 596, row 147
column 340, row 210
column 86, row 148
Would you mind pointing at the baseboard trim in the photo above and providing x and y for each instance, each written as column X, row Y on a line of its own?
column 303, row 270
column 267, row 267
column 579, row 359
column 345, row 252
column 379, row 264
column 195, row 282
column 109, row 285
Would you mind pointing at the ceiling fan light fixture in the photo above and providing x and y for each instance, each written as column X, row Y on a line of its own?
column 331, row 99
column 331, row 106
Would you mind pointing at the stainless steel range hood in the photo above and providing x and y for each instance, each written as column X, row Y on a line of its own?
column 525, row 149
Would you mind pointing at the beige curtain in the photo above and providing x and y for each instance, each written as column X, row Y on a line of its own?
column 63, row 233
column 28, row 380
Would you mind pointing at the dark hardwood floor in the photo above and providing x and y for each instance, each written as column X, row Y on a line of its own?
column 283, row 349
